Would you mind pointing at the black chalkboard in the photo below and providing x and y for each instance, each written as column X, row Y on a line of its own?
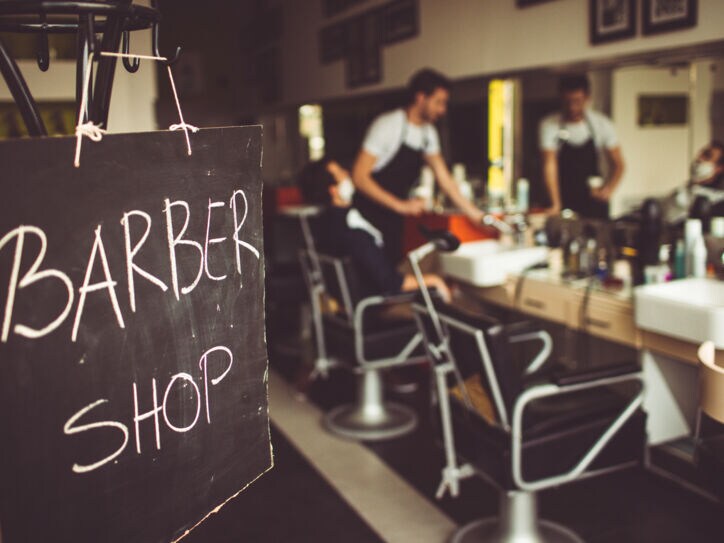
column 86, row 452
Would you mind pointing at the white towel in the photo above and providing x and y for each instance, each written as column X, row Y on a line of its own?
column 356, row 220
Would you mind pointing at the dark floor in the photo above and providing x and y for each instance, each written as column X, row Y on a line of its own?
column 292, row 503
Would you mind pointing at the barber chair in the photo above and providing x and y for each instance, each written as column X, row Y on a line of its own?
column 350, row 327
column 524, row 427
column 710, row 449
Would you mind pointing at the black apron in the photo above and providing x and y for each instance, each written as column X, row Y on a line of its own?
column 576, row 163
column 397, row 177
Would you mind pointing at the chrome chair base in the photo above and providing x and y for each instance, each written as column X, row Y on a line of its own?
column 488, row 530
column 370, row 418
column 518, row 523
column 356, row 422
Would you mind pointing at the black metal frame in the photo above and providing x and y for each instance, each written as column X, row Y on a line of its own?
column 113, row 19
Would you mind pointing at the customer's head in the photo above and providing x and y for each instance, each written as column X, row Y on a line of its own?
column 574, row 91
column 429, row 92
column 709, row 163
column 324, row 182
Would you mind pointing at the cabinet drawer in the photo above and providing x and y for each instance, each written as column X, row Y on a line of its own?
column 544, row 300
column 616, row 324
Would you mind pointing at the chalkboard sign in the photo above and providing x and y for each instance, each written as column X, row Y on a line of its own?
column 132, row 351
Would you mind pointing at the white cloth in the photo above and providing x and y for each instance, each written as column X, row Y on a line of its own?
column 384, row 137
column 356, row 220
column 551, row 133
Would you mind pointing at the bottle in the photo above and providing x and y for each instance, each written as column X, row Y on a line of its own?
column 680, row 260
column 692, row 231
column 602, row 264
column 574, row 258
column 665, row 273
column 698, row 258
column 522, row 195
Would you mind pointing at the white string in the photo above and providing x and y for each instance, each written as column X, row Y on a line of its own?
column 129, row 55
column 94, row 132
column 182, row 125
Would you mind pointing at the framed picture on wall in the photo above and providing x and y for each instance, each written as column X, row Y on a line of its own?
column 333, row 42
column 399, row 21
column 364, row 59
column 526, row 3
column 666, row 15
column 611, row 20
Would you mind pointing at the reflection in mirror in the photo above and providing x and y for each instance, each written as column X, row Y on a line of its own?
column 663, row 111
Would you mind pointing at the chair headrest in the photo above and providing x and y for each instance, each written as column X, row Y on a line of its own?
column 444, row 240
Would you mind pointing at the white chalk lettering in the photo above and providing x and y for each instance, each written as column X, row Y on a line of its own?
column 237, row 227
column 137, row 417
column 109, row 284
column 210, row 241
column 70, row 429
column 186, row 377
column 30, row 277
column 174, row 240
column 131, row 267
column 204, row 365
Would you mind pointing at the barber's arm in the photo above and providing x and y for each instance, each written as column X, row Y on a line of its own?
column 615, row 159
column 549, row 159
column 363, row 180
column 450, row 188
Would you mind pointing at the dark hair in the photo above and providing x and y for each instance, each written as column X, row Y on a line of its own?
column 426, row 81
column 715, row 144
column 314, row 181
column 574, row 82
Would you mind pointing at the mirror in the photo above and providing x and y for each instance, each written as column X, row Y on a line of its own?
column 664, row 112
column 665, row 108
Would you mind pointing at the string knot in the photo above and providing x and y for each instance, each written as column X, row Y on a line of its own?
column 184, row 126
column 93, row 131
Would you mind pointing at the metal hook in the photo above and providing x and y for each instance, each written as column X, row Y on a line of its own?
column 43, row 47
column 131, row 65
column 169, row 60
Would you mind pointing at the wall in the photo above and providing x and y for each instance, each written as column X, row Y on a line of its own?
column 657, row 158
column 465, row 38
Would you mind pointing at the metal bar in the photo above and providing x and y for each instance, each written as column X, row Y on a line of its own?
column 21, row 94
column 106, row 70
column 82, row 52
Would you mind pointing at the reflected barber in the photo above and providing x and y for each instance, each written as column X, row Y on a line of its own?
column 572, row 142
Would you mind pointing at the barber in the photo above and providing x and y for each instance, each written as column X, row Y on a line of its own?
column 397, row 145
column 571, row 141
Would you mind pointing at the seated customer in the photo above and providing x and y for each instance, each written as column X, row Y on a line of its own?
column 705, row 186
column 343, row 231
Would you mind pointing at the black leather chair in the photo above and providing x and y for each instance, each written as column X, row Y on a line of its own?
column 524, row 427
column 351, row 327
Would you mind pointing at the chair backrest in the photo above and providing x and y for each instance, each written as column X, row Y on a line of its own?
column 712, row 383
column 477, row 345
column 336, row 279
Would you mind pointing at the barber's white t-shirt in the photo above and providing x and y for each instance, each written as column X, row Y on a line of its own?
column 552, row 133
column 384, row 137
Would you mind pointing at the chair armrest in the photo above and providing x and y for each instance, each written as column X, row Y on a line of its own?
column 526, row 331
column 586, row 375
column 619, row 374
column 370, row 302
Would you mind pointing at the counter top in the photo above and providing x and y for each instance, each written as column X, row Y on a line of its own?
column 600, row 311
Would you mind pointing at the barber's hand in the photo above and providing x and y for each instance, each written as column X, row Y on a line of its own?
column 603, row 194
column 413, row 206
column 477, row 217
column 553, row 211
